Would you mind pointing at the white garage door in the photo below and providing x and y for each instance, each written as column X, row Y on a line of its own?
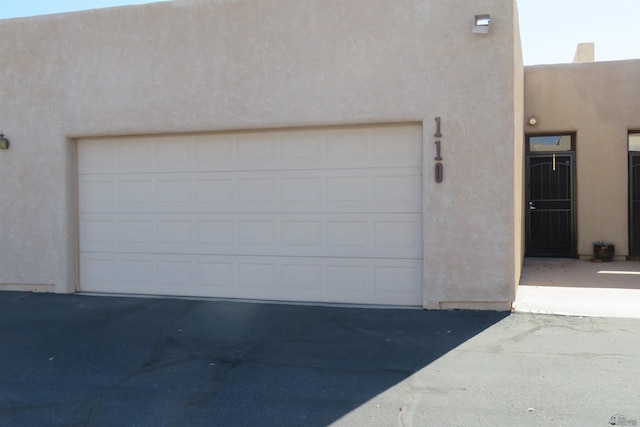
column 322, row 215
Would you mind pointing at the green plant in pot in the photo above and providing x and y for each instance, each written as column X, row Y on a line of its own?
column 603, row 251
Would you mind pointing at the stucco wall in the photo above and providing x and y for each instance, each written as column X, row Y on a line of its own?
column 599, row 101
column 518, row 153
column 189, row 66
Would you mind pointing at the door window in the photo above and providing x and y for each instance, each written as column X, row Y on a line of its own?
column 634, row 194
column 634, row 142
column 547, row 143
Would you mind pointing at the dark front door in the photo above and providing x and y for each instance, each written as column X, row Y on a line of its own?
column 550, row 205
column 634, row 203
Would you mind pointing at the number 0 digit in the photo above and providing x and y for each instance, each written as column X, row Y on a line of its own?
column 439, row 172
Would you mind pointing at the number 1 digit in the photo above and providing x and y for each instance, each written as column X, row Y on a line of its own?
column 438, row 156
column 437, row 134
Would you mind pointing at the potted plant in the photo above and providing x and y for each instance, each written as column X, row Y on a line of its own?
column 603, row 251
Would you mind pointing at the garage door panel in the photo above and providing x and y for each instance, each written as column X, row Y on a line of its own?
column 174, row 192
column 212, row 233
column 174, row 273
column 303, row 278
column 97, row 155
column 257, row 149
column 99, row 233
column 136, row 154
column 97, row 194
column 173, row 154
column 301, row 149
column 138, row 272
column 398, row 284
column 214, row 274
column 397, row 144
column 258, row 191
column 257, row 235
column 257, row 278
column 377, row 281
column 348, row 145
column 213, row 152
column 99, row 272
column 137, row 231
column 349, row 235
column 344, row 148
column 135, row 194
column 397, row 190
column 300, row 192
column 401, row 236
column 320, row 191
column 175, row 232
column 214, row 193
column 320, row 215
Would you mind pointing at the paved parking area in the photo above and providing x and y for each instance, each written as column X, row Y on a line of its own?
column 74, row 360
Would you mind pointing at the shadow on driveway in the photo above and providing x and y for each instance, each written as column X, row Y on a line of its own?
column 86, row 360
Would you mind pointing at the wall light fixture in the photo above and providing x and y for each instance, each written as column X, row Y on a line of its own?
column 481, row 24
column 4, row 142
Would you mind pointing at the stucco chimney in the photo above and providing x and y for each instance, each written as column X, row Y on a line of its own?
column 585, row 52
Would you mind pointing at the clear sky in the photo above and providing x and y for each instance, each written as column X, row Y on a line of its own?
column 550, row 30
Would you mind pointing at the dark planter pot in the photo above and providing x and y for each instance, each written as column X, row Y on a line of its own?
column 603, row 252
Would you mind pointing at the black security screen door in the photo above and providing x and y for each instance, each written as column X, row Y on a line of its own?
column 634, row 203
column 550, row 205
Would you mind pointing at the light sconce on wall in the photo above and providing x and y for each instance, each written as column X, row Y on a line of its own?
column 481, row 24
column 4, row 142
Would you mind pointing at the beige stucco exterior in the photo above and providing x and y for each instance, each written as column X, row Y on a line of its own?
column 518, row 155
column 192, row 66
column 600, row 102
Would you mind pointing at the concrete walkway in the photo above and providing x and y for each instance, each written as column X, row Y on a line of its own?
column 579, row 288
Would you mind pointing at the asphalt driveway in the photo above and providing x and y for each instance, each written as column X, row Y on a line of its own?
column 74, row 360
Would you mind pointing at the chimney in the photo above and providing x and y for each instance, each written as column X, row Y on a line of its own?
column 585, row 52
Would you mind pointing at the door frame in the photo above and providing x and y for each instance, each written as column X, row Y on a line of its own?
column 573, row 203
column 633, row 251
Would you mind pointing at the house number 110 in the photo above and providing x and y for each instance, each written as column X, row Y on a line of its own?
column 439, row 169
